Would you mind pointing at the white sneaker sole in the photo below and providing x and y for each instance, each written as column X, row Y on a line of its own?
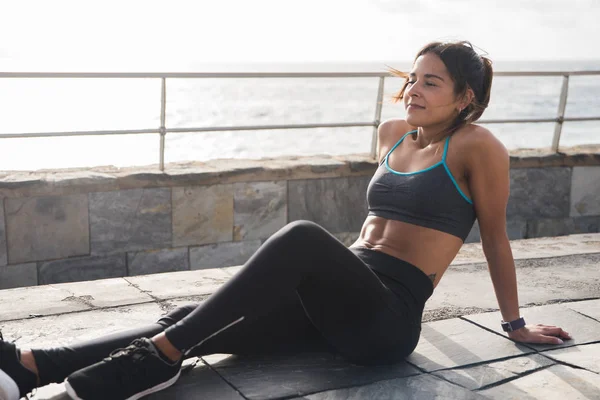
column 71, row 392
column 8, row 388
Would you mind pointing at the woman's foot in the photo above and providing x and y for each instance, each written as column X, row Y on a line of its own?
column 15, row 379
column 127, row 374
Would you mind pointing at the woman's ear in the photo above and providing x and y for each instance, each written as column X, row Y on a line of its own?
column 467, row 99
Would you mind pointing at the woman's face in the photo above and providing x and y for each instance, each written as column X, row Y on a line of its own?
column 429, row 98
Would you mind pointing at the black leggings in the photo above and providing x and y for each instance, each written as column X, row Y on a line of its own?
column 303, row 290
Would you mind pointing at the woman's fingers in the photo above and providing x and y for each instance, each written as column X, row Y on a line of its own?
column 549, row 339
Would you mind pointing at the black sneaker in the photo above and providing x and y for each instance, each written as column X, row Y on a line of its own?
column 127, row 374
column 16, row 381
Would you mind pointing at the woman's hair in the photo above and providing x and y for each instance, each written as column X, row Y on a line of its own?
column 468, row 70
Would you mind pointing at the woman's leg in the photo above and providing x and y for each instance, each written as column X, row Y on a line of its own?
column 343, row 298
column 55, row 364
column 285, row 329
column 339, row 295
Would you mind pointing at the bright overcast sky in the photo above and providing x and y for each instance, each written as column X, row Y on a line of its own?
column 174, row 34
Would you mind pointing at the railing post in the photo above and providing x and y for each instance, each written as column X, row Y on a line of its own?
column 562, row 104
column 163, row 117
column 377, row 121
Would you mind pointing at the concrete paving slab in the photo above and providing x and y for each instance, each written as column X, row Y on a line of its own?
column 591, row 308
column 558, row 382
column 586, row 356
column 105, row 293
column 540, row 281
column 453, row 343
column 36, row 300
column 232, row 270
column 200, row 383
column 415, row 387
column 57, row 330
column 274, row 377
column 582, row 329
column 546, row 247
column 480, row 376
column 180, row 284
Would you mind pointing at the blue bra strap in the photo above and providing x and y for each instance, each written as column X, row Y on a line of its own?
column 398, row 143
column 445, row 149
column 450, row 173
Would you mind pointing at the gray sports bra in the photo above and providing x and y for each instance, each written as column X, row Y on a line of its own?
column 430, row 197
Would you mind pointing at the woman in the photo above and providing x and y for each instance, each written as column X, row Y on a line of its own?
column 304, row 290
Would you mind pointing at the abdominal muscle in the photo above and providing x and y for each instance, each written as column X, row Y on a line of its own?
column 429, row 250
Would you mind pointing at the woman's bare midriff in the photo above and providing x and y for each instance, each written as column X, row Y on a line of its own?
column 429, row 250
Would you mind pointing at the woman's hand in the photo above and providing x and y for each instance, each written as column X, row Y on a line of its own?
column 546, row 334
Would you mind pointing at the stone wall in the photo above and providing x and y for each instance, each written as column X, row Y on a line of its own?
column 63, row 226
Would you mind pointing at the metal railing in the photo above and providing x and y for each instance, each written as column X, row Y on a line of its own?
column 163, row 130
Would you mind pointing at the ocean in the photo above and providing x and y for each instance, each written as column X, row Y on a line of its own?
column 49, row 105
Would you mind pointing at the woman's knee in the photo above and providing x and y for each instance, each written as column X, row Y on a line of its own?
column 302, row 230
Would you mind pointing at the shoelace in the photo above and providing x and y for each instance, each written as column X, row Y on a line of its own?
column 138, row 346
column 127, row 361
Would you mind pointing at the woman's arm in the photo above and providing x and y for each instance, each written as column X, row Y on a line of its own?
column 488, row 167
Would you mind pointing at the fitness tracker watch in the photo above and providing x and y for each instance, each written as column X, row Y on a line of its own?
column 513, row 325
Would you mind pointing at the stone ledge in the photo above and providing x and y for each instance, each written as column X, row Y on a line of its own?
column 109, row 178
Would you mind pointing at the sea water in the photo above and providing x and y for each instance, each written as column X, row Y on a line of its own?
column 58, row 105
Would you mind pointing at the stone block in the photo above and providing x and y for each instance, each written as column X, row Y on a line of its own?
column 585, row 356
column 260, row 209
column 515, row 229
column 562, row 226
column 539, row 192
column 45, row 228
column 130, row 220
column 557, row 382
column 283, row 376
column 480, row 376
column 3, row 258
column 585, row 191
column 82, row 269
column 154, row 261
column 222, row 254
column 454, row 343
column 414, row 387
column 337, row 204
column 20, row 275
column 474, row 235
column 202, row 214
column 583, row 329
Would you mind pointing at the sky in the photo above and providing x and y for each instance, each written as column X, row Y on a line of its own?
column 121, row 35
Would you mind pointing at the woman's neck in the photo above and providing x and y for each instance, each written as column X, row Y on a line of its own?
column 429, row 135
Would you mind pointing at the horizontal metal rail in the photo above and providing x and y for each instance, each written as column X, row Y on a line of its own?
column 163, row 130
column 263, row 127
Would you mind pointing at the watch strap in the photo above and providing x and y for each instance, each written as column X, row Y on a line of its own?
column 513, row 325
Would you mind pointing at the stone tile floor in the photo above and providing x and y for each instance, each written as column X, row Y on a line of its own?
column 462, row 353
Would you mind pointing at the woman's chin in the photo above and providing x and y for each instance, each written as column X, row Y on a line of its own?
column 412, row 120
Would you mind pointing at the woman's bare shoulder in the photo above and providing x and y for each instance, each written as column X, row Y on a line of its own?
column 388, row 133
column 475, row 137
column 392, row 130
column 480, row 147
